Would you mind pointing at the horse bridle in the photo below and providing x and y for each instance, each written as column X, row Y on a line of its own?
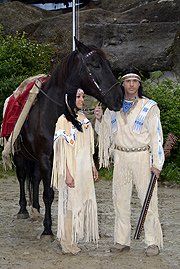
column 90, row 74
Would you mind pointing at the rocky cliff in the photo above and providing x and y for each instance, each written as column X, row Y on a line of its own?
column 143, row 34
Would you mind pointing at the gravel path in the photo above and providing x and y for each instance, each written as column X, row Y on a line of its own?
column 22, row 247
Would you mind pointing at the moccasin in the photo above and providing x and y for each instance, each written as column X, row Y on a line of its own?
column 152, row 250
column 118, row 248
column 70, row 249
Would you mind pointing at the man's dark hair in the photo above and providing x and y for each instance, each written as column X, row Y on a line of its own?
column 134, row 71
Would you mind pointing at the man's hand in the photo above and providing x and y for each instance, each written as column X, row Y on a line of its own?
column 98, row 112
column 156, row 171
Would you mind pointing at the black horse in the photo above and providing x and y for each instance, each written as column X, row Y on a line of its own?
column 88, row 68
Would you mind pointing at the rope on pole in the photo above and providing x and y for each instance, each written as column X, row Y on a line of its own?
column 77, row 20
column 75, row 10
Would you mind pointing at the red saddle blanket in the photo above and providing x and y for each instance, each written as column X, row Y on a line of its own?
column 13, row 111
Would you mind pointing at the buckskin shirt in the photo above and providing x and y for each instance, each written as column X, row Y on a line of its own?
column 135, row 141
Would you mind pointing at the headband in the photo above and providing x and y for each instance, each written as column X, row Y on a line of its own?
column 79, row 90
column 131, row 76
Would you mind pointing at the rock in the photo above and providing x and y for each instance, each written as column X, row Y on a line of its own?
column 176, row 55
column 146, row 46
column 135, row 33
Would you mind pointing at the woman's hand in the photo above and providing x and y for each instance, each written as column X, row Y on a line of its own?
column 95, row 173
column 69, row 179
column 98, row 112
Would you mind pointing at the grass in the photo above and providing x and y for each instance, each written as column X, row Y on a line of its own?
column 105, row 173
column 7, row 173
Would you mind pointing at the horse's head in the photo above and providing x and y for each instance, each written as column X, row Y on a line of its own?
column 86, row 68
column 96, row 77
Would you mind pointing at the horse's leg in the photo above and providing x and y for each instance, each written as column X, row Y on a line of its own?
column 48, row 194
column 36, row 178
column 21, row 175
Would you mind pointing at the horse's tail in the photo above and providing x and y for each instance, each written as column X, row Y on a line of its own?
column 33, row 178
column 29, row 167
column 30, row 190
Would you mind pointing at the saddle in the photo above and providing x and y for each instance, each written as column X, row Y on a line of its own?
column 15, row 105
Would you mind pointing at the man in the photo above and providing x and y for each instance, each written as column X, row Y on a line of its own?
column 134, row 135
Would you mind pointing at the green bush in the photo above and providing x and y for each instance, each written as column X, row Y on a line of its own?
column 20, row 58
column 167, row 94
column 171, row 172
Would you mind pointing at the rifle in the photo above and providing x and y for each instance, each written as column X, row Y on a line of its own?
column 169, row 144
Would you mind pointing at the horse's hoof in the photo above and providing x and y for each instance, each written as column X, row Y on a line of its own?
column 36, row 216
column 23, row 215
column 47, row 238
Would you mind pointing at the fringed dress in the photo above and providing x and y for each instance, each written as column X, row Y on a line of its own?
column 75, row 149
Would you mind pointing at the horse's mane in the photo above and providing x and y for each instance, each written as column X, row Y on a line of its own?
column 61, row 72
column 65, row 67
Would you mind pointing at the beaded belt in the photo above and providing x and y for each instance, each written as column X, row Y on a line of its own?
column 133, row 149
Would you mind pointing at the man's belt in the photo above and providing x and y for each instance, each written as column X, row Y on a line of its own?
column 133, row 149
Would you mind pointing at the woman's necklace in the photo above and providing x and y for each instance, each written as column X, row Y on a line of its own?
column 128, row 103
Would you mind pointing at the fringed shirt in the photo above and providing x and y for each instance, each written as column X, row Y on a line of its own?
column 128, row 131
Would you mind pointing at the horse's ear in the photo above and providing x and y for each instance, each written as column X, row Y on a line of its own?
column 81, row 47
column 100, row 43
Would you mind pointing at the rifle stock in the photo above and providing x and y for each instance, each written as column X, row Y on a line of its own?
column 170, row 142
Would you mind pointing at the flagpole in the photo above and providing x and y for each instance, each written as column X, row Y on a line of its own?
column 74, row 26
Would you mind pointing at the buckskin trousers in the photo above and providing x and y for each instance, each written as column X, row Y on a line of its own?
column 133, row 168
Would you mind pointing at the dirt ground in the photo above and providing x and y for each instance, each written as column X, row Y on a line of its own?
column 22, row 247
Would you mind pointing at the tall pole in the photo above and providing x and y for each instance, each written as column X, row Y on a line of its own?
column 74, row 22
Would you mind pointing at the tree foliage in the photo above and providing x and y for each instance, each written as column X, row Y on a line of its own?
column 20, row 58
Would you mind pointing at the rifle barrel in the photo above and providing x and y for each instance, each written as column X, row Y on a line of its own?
column 145, row 207
column 170, row 142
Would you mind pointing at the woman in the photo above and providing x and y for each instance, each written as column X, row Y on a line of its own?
column 73, row 175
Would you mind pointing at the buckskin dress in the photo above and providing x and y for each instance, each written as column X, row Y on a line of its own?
column 75, row 149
